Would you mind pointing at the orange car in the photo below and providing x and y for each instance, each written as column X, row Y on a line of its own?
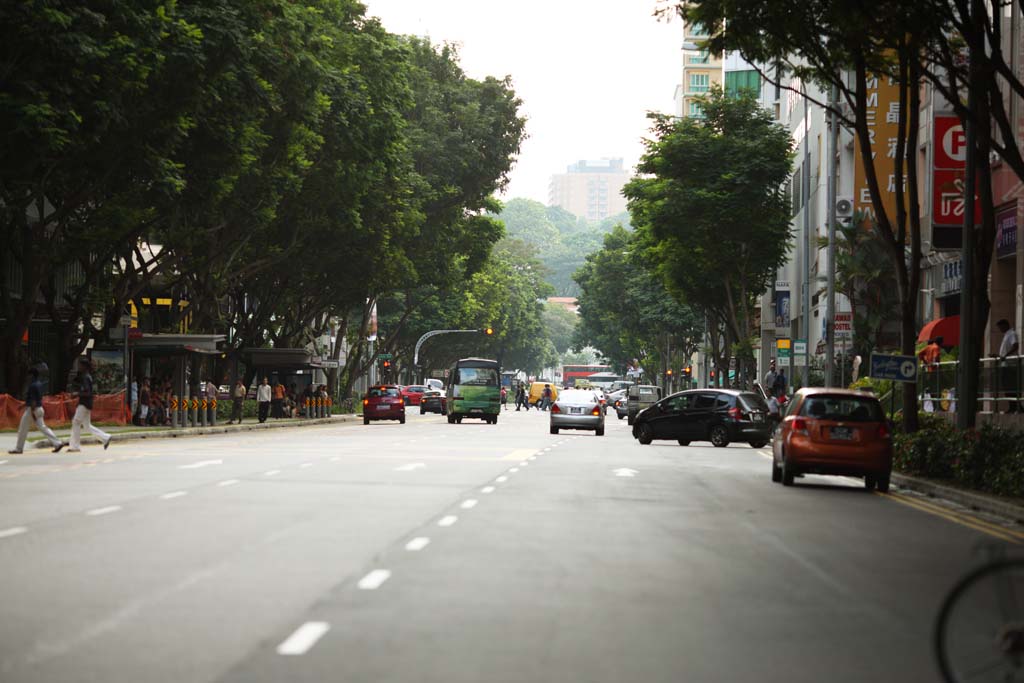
column 833, row 431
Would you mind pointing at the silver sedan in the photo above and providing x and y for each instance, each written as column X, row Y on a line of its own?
column 577, row 409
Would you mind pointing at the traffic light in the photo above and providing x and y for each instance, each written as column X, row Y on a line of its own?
column 488, row 331
column 385, row 364
column 687, row 372
column 669, row 372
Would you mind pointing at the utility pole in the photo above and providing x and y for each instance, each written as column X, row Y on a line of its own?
column 967, row 386
column 807, row 242
column 830, row 306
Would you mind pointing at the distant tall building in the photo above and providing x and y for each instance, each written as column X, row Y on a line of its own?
column 590, row 189
column 701, row 70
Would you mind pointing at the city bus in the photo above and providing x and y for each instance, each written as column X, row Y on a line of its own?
column 474, row 390
column 571, row 373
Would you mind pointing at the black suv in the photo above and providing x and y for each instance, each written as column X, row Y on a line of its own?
column 716, row 415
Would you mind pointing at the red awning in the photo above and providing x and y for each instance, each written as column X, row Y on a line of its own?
column 948, row 328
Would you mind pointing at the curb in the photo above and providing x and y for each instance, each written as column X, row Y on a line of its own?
column 976, row 501
column 200, row 431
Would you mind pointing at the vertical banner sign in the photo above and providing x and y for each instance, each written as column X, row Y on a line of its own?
column 882, row 114
column 371, row 328
column 948, row 170
column 1006, row 233
column 782, row 308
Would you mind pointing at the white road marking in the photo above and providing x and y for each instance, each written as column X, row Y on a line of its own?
column 305, row 637
column 524, row 464
column 547, row 449
column 271, row 473
column 625, row 472
column 305, row 465
column 103, row 511
column 227, row 482
column 374, row 580
column 3, row 462
column 174, row 494
column 514, row 469
column 447, row 520
column 502, row 479
column 469, row 504
column 201, row 463
column 410, row 467
column 418, row 543
column 532, row 457
column 13, row 531
column 487, row 489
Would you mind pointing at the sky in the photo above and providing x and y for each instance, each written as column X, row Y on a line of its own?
column 588, row 71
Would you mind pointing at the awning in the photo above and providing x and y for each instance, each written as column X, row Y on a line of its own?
column 948, row 328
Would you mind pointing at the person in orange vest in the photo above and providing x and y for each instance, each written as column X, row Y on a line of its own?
column 931, row 354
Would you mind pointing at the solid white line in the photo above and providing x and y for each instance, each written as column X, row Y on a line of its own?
column 103, row 511
column 227, row 482
column 174, row 494
column 374, row 580
column 418, row 543
column 13, row 531
column 447, row 520
column 468, row 504
column 305, row 637
column 514, row 469
column 306, row 464
column 271, row 473
column 502, row 479
column 487, row 489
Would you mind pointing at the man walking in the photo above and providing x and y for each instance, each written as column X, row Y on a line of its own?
column 1010, row 346
column 83, row 413
column 769, row 379
column 237, row 397
column 34, row 412
column 263, row 400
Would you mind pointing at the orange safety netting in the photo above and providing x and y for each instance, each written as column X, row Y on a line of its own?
column 58, row 409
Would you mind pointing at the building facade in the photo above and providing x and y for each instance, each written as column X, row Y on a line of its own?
column 590, row 189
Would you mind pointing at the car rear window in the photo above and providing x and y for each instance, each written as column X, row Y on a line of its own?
column 849, row 408
column 577, row 396
column 754, row 402
column 377, row 392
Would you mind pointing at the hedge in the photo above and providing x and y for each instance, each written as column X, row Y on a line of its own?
column 989, row 459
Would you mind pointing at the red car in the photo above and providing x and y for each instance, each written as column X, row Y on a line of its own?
column 413, row 393
column 833, row 431
column 383, row 402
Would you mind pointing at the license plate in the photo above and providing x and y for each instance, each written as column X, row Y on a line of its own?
column 757, row 417
column 842, row 433
column 476, row 410
column 577, row 411
column 383, row 407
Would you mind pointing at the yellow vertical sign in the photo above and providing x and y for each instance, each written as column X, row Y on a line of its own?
column 882, row 114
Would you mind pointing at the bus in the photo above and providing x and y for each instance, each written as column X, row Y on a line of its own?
column 571, row 373
column 474, row 390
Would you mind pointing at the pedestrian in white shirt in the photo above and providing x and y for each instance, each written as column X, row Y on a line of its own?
column 1010, row 346
column 263, row 396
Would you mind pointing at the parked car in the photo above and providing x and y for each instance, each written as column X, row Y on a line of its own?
column 577, row 409
column 833, row 431
column 383, row 402
column 720, row 416
column 412, row 394
column 433, row 401
column 622, row 407
column 641, row 396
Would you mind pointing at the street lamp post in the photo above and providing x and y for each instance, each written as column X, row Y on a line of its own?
column 433, row 333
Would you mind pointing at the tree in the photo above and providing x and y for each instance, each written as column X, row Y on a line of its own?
column 710, row 212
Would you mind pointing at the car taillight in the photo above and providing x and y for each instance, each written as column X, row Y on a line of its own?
column 735, row 413
column 366, row 401
column 883, row 431
column 596, row 410
column 555, row 408
column 800, row 426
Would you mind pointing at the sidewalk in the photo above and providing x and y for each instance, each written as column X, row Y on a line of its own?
column 1004, row 507
column 9, row 440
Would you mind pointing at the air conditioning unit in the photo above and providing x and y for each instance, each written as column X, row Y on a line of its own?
column 844, row 207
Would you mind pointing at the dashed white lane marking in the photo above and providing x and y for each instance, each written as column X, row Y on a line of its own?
column 447, row 520
column 305, row 637
column 374, row 580
column 532, row 457
column 305, row 465
column 201, row 463
column 547, row 449
column 418, row 543
column 174, row 494
column 502, row 479
column 227, row 482
column 514, row 469
column 487, row 489
column 524, row 464
column 412, row 466
column 103, row 511
column 3, row 462
column 469, row 504
column 335, row 459
column 13, row 531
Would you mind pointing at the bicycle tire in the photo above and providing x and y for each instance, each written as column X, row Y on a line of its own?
column 1008, row 629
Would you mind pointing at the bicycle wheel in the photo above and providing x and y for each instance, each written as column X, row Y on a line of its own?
column 979, row 633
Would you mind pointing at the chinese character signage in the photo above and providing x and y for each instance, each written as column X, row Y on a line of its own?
column 948, row 163
column 1006, row 233
column 882, row 114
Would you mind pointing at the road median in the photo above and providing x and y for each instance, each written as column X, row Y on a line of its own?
column 995, row 505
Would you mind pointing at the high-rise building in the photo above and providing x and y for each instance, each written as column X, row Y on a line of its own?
column 701, row 70
column 591, row 189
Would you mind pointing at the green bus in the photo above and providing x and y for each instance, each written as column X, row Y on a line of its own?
column 474, row 390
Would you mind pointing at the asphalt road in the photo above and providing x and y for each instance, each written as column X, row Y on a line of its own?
column 436, row 552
